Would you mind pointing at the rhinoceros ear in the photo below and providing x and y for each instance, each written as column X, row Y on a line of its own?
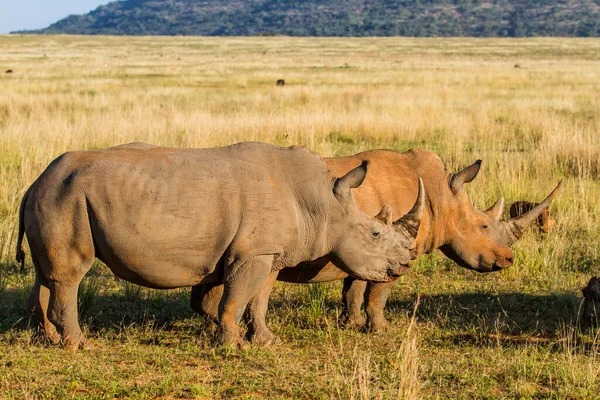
column 495, row 211
column 465, row 176
column 412, row 221
column 353, row 179
column 385, row 215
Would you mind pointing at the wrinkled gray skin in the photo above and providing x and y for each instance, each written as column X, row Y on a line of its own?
column 591, row 304
column 167, row 218
column 474, row 239
column 206, row 298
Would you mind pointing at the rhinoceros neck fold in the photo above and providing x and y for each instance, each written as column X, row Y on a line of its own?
column 316, row 238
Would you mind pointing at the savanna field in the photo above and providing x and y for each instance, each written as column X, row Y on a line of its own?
column 529, row 108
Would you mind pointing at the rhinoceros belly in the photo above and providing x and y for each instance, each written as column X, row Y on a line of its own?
column 311, row 272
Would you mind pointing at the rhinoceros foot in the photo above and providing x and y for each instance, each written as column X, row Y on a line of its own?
column 376, row 325
column 224, row 339
column 351, row 321
column 77, row 343
column 262, row 336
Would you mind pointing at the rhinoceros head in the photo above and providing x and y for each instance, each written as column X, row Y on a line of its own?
column 479, row 240
column 376, row 249
column 591, row 304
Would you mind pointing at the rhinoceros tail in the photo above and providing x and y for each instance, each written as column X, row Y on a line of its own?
column 20, row 257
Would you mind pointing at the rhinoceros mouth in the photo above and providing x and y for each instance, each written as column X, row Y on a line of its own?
column 485, row 268
column 397, row 271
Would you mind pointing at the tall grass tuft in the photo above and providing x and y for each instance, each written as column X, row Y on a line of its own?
column 409, row 366
column 88, row 291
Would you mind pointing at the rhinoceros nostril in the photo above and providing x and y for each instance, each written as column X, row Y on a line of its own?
column 393, row 273
column 509, row 260
column 398, row 270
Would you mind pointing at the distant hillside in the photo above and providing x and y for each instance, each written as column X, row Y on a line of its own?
column 514, row 18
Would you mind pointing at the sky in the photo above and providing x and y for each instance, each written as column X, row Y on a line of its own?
column 35, row 14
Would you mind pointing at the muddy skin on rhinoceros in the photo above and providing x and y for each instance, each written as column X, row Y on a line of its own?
column 167, row 218
column 474, row 239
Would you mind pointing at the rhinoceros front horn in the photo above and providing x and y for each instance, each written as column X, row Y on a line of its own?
column 518, row 225
column 385, row 215
column 412, row 220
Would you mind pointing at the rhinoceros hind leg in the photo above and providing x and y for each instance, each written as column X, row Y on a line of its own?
column 63, row 313
column 65, row 270
column 376, row 296
column 258, row 332
column 205, row 300
column 352, row 300
column 37, row 307
column 242, row 281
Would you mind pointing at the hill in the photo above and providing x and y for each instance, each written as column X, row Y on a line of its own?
column 512, row 18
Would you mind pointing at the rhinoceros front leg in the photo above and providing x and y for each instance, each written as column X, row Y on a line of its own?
column 352, row 300
column 205, row 300
column 242, row 281
column 375, row 297
column 258, row 332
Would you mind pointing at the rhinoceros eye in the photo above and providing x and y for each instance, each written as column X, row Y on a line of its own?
column 376, row 234
column 485, row 227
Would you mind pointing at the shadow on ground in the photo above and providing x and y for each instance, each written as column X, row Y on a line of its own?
column 504, row 319
column 465, row 316
column 105, row 311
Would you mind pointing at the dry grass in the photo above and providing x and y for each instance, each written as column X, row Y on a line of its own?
column 508, row 334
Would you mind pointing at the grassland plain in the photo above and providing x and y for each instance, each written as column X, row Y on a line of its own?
column 511, row 334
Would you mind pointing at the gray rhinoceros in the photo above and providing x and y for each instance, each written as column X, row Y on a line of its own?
column 474, row 239
column 167, row 218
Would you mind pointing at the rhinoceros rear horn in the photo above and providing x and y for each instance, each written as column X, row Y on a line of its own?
column 495, row 211
column 411, row 221
column 385, row 215
column 353, row 179
column 518, row 225
column 465, row 176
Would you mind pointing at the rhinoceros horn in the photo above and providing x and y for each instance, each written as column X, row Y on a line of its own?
column 412, row 220
column 385, row 215
column 518, row 225
column 495, row 211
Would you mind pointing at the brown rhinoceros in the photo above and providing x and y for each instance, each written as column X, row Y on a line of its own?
column 167, row 218
column 474, row 239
